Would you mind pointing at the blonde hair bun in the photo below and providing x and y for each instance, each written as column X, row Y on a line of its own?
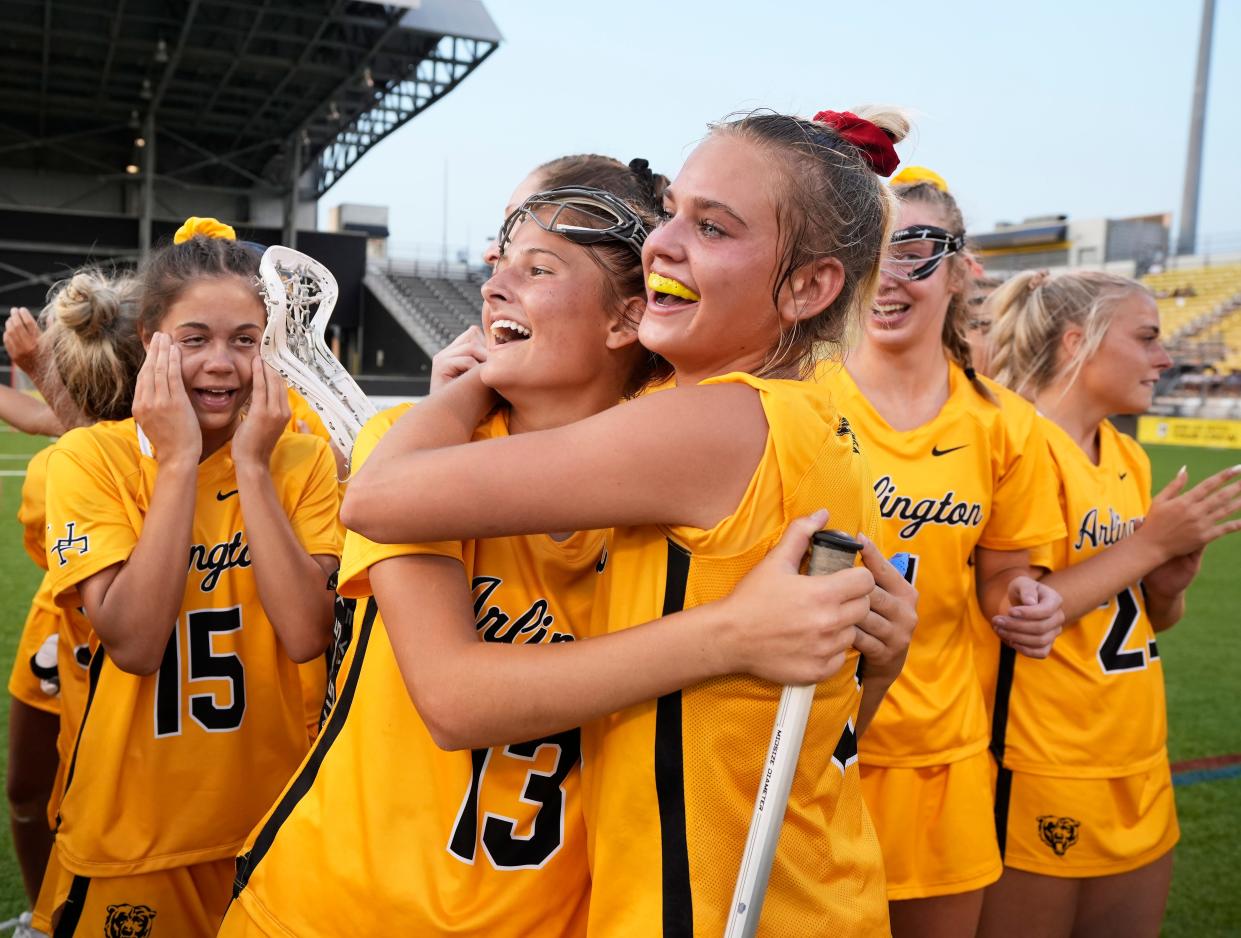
column 89, row 304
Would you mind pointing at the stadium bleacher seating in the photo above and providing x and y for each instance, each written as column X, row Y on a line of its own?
column 443, row 307
column 1200, row 309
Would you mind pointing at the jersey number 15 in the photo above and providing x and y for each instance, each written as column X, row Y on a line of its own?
column 203, row 665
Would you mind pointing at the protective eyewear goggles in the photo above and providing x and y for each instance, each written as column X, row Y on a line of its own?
column 914, row 253
column 583, row 215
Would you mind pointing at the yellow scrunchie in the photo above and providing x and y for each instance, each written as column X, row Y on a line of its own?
column 912, row 175
column 207, row 227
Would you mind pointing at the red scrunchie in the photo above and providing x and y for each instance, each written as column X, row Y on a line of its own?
column 875, row 144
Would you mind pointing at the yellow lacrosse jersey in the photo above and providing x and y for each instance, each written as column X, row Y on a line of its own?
column 174, row 768
column 977, row 475
column 43, row 618
column 42, row 622
column 1095, row 708
column 46, row 618
column 670, row 785
column 32, row 512
column 314, row 674
column 305, row 419
column 381, row 831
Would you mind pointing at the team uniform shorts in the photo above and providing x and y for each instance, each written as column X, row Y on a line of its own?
column 41, row 915
column 936, row 826
column 186, row 901
column 1079, row 827
column 24, row 685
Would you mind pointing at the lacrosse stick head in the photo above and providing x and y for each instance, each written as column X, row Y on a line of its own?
column 300, row 293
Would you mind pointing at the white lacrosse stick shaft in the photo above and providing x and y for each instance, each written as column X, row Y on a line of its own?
column 830, row 551
column 300, row 293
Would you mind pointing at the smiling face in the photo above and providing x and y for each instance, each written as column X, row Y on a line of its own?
column 216, row 323
column 910, row 314
column 546, row 321
column 1121, row 375
column 720, row 241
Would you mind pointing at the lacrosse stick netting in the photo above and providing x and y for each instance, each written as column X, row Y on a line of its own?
column 300, row 294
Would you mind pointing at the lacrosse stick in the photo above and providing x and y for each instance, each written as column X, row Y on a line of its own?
column 830, row 551
column 300, row 293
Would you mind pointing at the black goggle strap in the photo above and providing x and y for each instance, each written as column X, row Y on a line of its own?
column 620, row 222
column 946, row 243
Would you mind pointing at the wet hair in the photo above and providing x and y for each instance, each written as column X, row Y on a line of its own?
column 174, row 266
column 642, row 190
column 829, row 203
column 957, row 320
column 91, row 339
column 1030, row 314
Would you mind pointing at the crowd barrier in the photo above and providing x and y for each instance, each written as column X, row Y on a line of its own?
column 1190, row 431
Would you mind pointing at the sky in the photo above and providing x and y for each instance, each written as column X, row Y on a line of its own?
column 1027, row 109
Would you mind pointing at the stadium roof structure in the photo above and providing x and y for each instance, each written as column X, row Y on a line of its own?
column 241, row 95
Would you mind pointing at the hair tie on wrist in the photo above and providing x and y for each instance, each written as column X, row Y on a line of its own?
column 874, row 143
column 207, row 227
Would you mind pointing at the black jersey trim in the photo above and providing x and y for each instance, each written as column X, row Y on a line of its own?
column 96, row 668
column 678, row 907
column 71, row 911
column 1003, row 795
column 305, row 778
column 999, row 734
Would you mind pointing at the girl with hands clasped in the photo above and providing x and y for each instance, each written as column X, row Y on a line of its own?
column 1084, row 803
column 198, row 538
column 961, row 478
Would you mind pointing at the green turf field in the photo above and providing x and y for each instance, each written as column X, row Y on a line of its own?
column 1201, row 660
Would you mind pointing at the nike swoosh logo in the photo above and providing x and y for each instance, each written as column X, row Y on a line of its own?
column 1123, row 475
column 220, row 496
column 936, row 451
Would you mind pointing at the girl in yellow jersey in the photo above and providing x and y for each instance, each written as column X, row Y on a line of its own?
column 771, row 243
column 494, row 845
column 199, row 545
column 50, row 670
column 963, row 482
column 1084, row 806
column 34, row 710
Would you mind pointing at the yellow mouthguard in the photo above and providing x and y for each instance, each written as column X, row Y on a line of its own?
column 668, row 285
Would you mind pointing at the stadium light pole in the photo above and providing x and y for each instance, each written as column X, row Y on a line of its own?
column 1186, row 242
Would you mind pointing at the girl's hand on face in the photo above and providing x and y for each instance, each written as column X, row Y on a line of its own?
column 162, row 407
column 464, row 353
column 267, row 418
column 1180, row 523
column 883, row 637
column 789, row 628
column 1034, row 617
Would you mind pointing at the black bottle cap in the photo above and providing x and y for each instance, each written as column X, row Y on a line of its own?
column 836, row 540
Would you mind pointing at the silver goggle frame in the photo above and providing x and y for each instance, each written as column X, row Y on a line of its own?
column 619, row 221
column 300, row 293
column 946, row 244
